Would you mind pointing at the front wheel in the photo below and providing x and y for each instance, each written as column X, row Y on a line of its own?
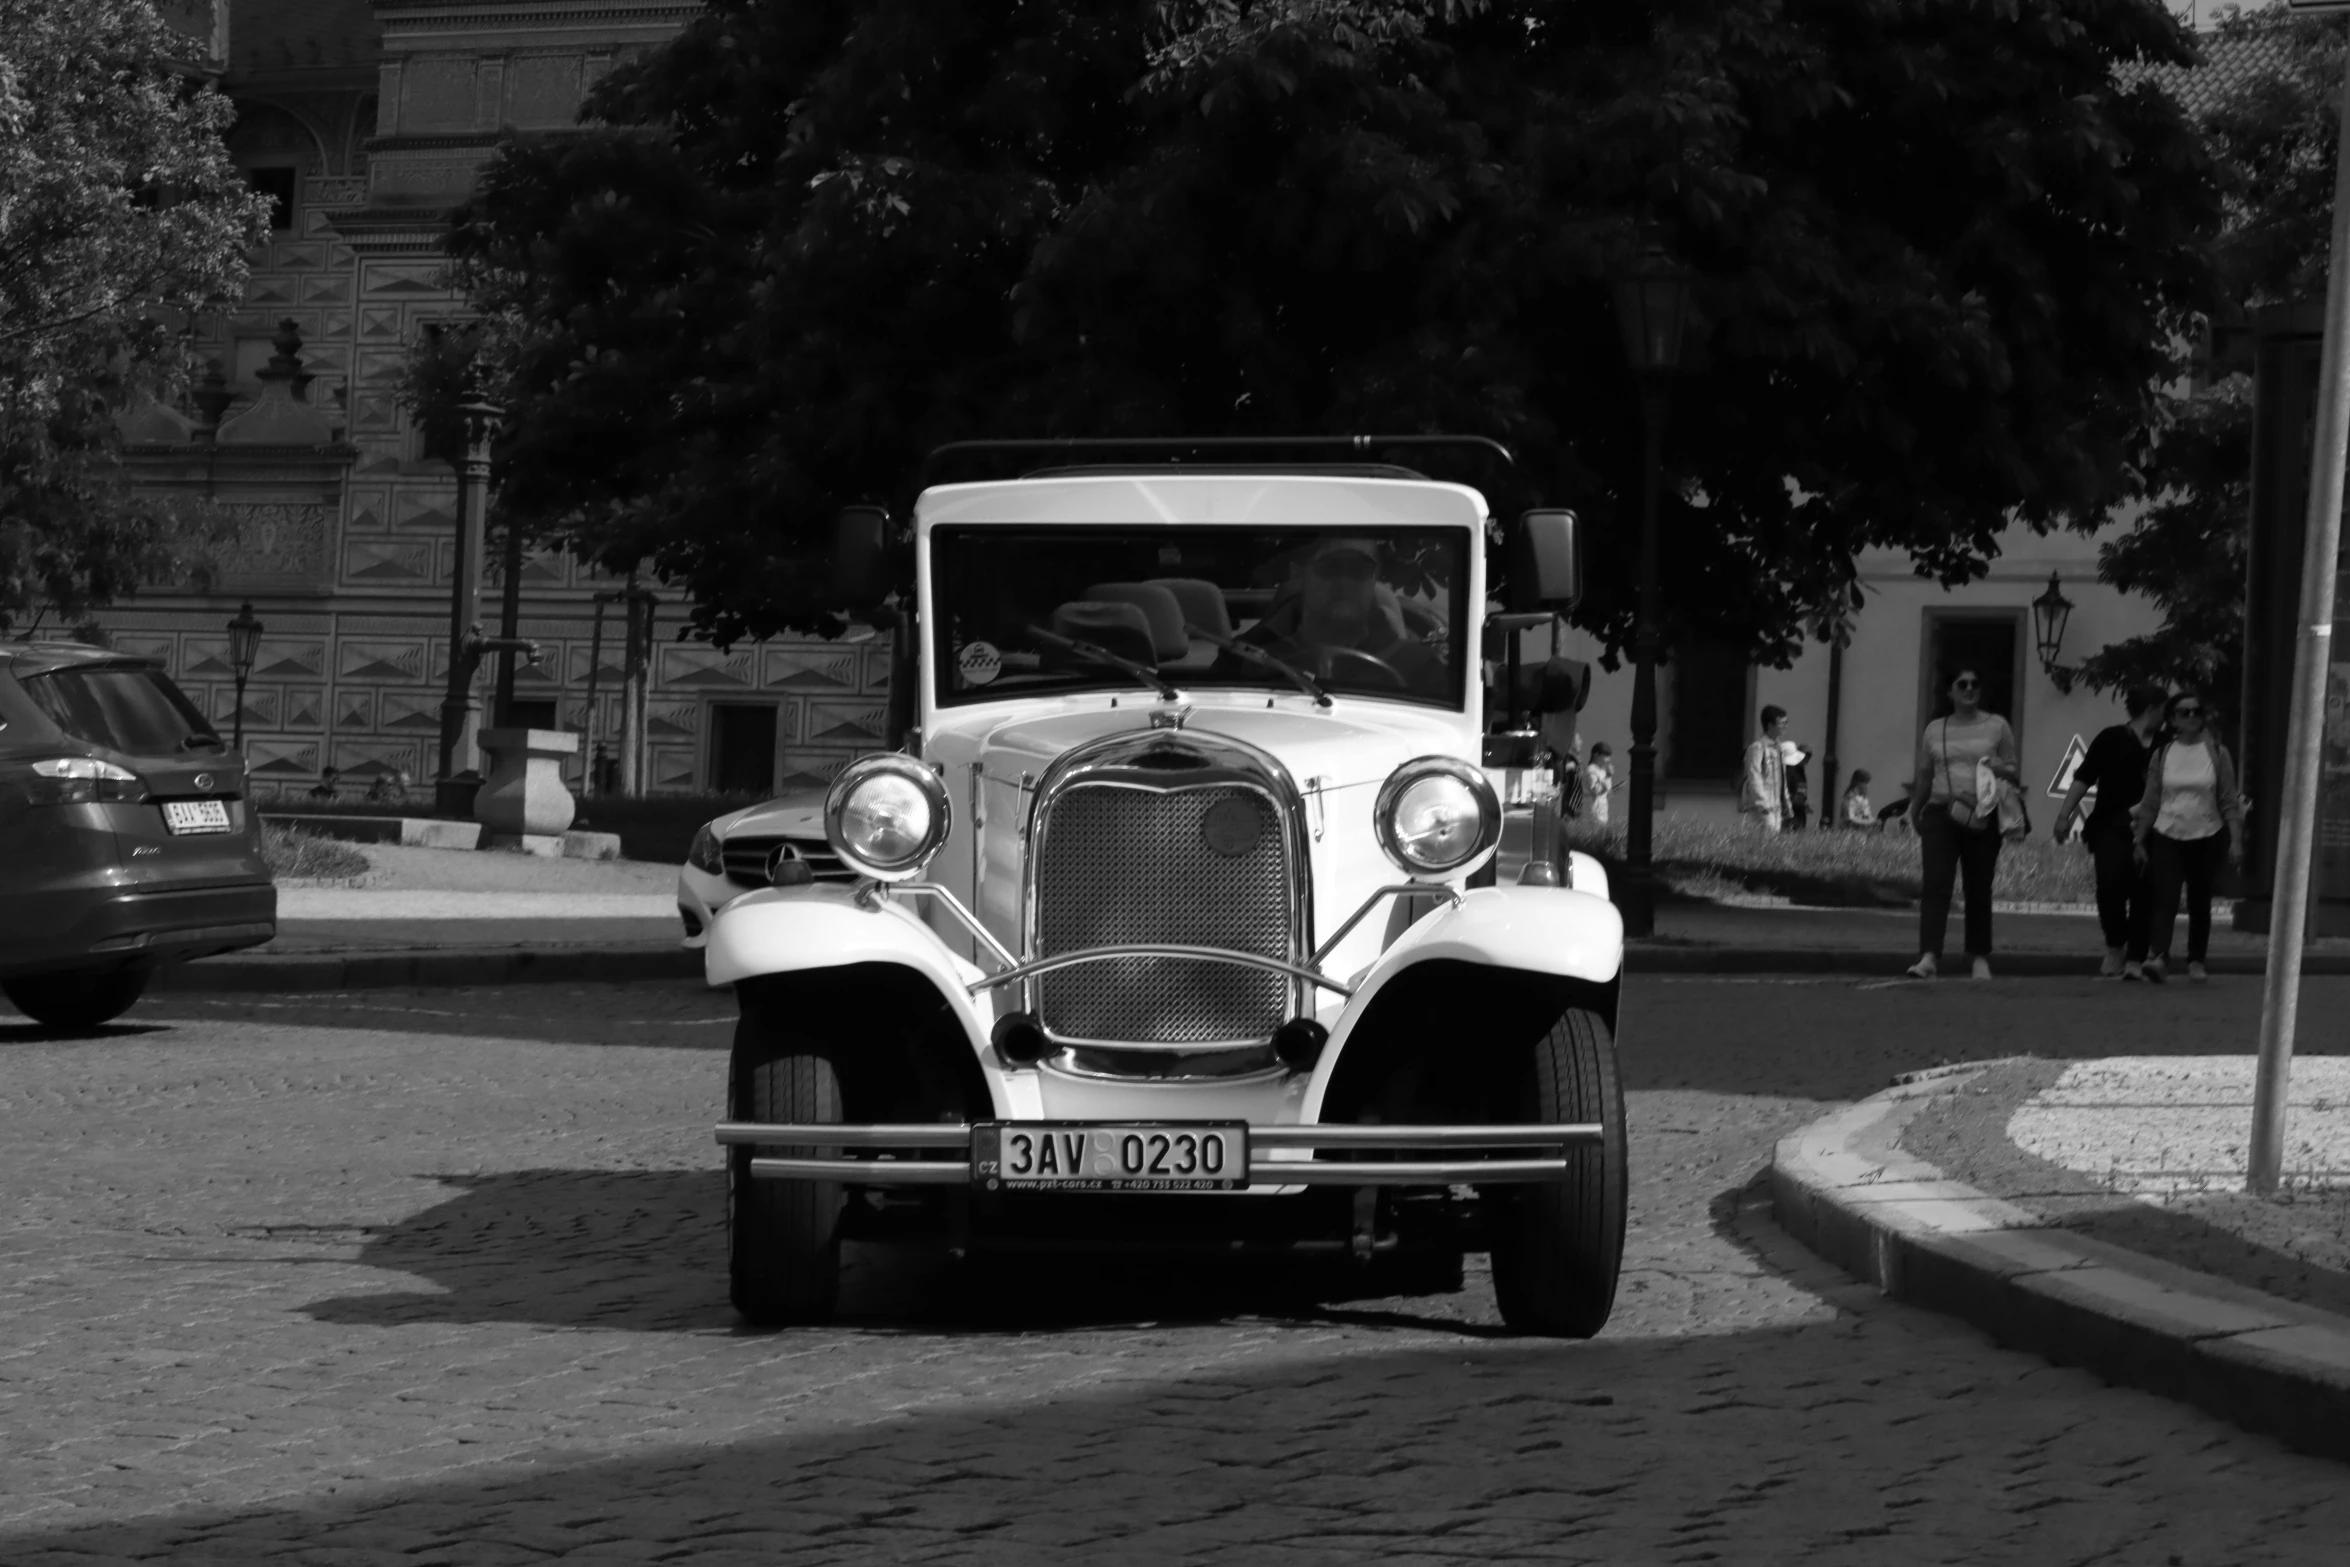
column 1559, row 1246
column 75, row 1002
column 782, row 1236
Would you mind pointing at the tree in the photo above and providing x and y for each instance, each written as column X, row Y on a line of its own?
column 120, row 219
column 1941, row 250
column 2275, row 129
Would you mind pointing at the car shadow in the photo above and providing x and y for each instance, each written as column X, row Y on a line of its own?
column 645, row 1251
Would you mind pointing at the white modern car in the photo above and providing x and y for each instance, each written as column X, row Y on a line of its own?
column 1173, row 924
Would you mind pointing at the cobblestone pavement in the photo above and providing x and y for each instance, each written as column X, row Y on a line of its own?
column 436, row 1277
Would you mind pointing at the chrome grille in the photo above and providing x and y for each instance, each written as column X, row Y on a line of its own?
column 745, row 859
column 1120, row 865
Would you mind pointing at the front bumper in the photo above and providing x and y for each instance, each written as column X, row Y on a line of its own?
column 1279, row 1156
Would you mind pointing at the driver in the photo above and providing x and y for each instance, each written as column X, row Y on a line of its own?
column 1334, row 607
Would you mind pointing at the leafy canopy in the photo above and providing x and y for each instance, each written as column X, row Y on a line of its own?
column 120, row 217
column 2276, row 131
column 1939, row 248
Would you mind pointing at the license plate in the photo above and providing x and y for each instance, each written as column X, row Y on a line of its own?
column 188, row 816
column 1110, row 1156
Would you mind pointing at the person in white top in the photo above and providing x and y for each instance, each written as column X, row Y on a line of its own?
column 1762, row 786
column 1599, row 780
column 1958, row 829
column 2189, row 819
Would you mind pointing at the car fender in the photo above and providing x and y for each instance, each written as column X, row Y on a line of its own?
column 1547, row 931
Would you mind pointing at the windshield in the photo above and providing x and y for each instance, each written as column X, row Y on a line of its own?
column 121, row 706
column 1025, row 611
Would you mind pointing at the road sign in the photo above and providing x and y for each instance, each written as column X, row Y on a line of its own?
column 2074, row 755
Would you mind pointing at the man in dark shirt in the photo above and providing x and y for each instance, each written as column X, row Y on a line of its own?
column 2116, row 768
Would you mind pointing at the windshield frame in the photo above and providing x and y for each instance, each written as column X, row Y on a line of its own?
column 76, row 698
column 1456, row 602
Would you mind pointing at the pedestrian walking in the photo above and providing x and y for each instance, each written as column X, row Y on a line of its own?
column 1857, row 810
column 1599, row 778
column 1793, row 757
column 2116, row 768
column 1762, row 788
column 1963, row 761
column 2189, row 820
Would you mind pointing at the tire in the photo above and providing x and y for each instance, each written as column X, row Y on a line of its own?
column 782, row 1237
column 1558, row 1247
column 75, row 1002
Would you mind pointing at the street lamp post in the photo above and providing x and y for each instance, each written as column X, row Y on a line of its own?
column 244, row 643
column 459, row 717
column 2051, row 611
column 1652, row 309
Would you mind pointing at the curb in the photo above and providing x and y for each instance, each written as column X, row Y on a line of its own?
column 297, row 972
column 1843, row 1187
column 575, row 965
column 1640, row 957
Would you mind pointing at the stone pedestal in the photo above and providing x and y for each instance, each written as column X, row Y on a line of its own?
column 523, row 804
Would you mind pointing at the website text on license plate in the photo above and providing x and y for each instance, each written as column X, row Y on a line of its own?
column 1104, row 1156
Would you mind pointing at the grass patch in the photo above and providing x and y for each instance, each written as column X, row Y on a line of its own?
column 1839, row 869
column 294, row 854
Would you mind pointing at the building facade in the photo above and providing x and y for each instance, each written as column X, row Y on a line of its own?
column 366, row 121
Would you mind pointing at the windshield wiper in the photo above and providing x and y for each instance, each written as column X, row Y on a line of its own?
column 207, row 741
column 1102, row 655
column 1251, row 653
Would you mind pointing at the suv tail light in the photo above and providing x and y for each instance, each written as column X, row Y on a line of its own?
column 78, row 780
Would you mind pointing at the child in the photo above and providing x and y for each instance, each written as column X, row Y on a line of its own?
column 1599, row 776
column 1857, row 810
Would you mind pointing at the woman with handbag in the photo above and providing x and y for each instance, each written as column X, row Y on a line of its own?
column 1965, row 762
column 2189, row 820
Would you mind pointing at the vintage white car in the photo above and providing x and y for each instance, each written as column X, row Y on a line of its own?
column 1173, row 925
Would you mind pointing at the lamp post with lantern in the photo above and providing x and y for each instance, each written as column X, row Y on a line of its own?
column 244, row 644
column 1652, row 310
column 2050, row 613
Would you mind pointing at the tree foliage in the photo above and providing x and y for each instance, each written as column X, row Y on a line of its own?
column 2276, row 131
column 1939, row 248
column 120, row 218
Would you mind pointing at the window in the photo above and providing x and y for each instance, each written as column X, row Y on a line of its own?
column 742, row 748
column 279, row 183
column 125, row 707
column 1711, row 722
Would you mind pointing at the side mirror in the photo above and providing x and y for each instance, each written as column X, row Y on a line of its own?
column 1546, row 561
column 860, row 557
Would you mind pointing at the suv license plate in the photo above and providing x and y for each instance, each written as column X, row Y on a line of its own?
column 1110, row 1156
column 191, row 816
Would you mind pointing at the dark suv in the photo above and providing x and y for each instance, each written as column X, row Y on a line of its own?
column 126, row 840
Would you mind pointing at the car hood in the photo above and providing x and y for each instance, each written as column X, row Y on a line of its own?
column 1349, row 744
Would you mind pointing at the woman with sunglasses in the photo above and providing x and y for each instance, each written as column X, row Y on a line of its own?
column 1958, row 832
column 2187, row 822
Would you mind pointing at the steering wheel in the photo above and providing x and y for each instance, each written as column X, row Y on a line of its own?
column 1328, row 661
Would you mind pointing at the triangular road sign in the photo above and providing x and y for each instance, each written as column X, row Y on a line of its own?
column 2074, row 755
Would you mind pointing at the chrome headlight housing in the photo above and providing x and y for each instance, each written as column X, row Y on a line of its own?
column 1436, row 815
column 885, row 816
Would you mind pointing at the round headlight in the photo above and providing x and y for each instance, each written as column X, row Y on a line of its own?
column 885, row 816
column 1436, row 815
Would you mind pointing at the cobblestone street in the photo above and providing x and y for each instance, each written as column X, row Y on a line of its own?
column 438, row 1277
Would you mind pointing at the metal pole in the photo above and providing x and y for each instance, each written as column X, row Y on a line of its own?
column 509, row 624
column 2288, row 916
column 595, row 656
column 1830, row 810
column 238, row 743
column 459, row 716
column 1640, row 875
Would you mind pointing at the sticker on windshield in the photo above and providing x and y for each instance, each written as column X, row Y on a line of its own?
column 980, row 663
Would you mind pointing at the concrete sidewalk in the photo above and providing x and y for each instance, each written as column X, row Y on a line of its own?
column 2172, row 1311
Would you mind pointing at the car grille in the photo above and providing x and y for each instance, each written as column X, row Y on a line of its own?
column 1121, row 866
column 746, row 859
